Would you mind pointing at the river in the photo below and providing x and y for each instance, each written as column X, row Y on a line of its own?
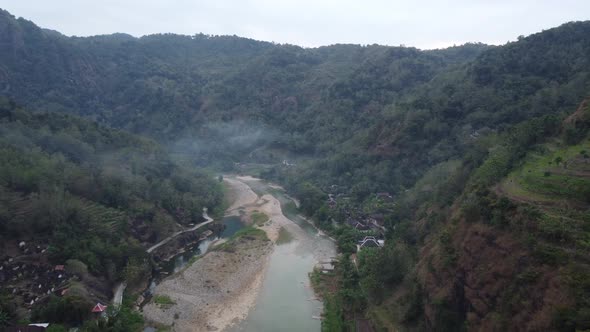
column 281, row 301
column 286, row 301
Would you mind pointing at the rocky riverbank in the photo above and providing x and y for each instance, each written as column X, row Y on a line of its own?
column 220, row 288
column 178, row 244
column 216, row 290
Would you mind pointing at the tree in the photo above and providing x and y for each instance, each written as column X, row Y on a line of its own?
column 558, row 160
column 135, row 270
column 4, row 318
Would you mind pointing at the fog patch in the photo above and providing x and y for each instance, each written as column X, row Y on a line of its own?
column 223, row 143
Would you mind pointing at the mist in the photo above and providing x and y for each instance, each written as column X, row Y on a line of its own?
column 222, row 144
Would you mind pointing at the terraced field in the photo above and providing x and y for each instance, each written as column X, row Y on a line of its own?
column 555, row 180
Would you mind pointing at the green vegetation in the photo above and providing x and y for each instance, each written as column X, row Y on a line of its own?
column 561, row 197
column 326, row 287
column 290, row 209
column 93, row 197
column 119, row 320
column 79, row 186
column 259, row 218
column 508, row 191
column 74, row 310
column 249, row 233
column 563, row 181
column 56, row 328
column 476, row 148
column 71, row 309
column 315, row 277
column 163, row 300
column 192, row 260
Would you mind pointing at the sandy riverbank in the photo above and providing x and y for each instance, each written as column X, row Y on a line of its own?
column 214, row 291
column 242, row 194
column 268, row 204
column 271, row 206
column 247, row 202
column 221, row 287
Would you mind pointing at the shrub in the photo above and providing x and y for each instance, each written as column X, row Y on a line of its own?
column 259, row 218
column 164, row 300
column 76, row 267
column 56, row 328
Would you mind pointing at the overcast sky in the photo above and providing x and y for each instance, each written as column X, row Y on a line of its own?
column 423, row 24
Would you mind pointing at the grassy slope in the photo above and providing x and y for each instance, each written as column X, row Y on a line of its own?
column 560, row 191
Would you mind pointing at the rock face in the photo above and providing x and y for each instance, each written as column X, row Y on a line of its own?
column 215, row 290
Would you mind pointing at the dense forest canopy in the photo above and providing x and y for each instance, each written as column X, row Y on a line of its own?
column 470, row 146
column 75, row 193
column 379, row 115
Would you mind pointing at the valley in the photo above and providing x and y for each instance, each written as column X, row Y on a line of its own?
column 211, row 182
column 243, row 273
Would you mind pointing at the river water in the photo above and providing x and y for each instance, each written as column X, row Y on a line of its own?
column 286, row 301
column 178, row 262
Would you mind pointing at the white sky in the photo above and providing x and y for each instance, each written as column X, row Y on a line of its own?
column 419, row 23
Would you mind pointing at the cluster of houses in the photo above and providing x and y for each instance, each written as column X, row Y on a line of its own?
column 99, row 310
column 28, row 278
column 367, row 223
column 26, row 275
column 333, row 199
column 371, row 224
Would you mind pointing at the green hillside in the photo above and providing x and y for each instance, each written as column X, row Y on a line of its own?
column 79, row 194
column 511, row 249
column 471, row 162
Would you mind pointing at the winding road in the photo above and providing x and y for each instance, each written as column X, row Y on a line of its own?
column 120, row 289
column 166, row 240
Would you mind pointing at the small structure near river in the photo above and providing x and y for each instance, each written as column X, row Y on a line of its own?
column 369, row 242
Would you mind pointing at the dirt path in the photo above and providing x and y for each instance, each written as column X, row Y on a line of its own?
column 510, row 187
column 118, row 297
column 166, row 240
column 120, row 288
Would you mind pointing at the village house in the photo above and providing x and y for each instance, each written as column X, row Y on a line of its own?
column 369, row 242
column 331, row 201
column 99, row 309
column 361, row 227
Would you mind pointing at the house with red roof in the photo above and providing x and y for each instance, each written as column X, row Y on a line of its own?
column 99, row 308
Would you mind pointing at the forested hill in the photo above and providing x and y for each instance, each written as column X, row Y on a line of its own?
column 170, row 86
column 468, row 156
column 78, row 194
column 379, row 115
